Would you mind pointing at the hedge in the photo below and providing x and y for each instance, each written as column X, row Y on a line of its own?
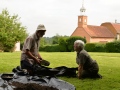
column 90, row 47
column 95, row 47
column 113, row 46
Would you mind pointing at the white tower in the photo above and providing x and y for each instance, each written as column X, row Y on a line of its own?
column 82, row 9
column 82, row 19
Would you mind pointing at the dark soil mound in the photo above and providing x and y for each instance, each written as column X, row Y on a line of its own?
column 31, row 86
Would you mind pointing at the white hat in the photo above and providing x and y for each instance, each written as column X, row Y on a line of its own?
column 41, row 27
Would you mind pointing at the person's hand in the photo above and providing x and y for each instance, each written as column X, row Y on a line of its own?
column 40, row 58
column 37, row 61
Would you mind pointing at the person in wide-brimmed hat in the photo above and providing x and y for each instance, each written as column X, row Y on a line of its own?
column 30, row 55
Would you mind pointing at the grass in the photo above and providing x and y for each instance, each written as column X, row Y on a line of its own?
column 109, row 64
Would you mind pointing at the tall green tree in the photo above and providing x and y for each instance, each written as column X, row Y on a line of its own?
column 70, row 42
column 55, row 39
column 11, row 30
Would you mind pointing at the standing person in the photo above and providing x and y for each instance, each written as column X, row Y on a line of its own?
column 30, row 53
column 87, row 67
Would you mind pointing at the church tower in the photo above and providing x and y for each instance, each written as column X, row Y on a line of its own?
column 82, row 19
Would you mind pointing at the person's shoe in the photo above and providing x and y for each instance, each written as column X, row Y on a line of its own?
column 99, row 76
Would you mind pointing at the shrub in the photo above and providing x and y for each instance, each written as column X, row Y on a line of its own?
column 62, row 48
column 99, row 47
column 50, row 48
column 62, row 45
column 113, row 46
column 70, row 42
column 95, row 47
column 90, row 47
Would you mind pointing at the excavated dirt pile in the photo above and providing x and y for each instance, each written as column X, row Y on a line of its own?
column 31, row 86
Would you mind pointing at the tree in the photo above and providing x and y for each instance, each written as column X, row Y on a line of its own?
column 70, row 42
column 62, row 44
column 11, row 30
column 55, row 39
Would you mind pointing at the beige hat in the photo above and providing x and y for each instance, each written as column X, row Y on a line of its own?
column 41, row 27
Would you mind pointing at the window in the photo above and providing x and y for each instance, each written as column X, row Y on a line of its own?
column 80, row 20
column 85, row 20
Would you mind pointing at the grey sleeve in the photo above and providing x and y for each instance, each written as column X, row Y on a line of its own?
column 82, row 58
column 28, row 44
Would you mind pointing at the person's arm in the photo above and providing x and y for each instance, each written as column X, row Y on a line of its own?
column 33, row 57
column 82, row 59
column 80, row 69
column 39, row 56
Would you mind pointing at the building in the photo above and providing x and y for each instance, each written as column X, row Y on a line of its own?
column 17, row 46
column 106, row 32
column 114, row 28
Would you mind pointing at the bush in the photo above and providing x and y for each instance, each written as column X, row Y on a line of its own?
column 62, row 48
column 65, row 44
column 62, row 45
column 1, row 47
column 99, row 47
column 90, row 47
column 70, row 42
column 50, row 48
column 113, row 46
column 95, row 47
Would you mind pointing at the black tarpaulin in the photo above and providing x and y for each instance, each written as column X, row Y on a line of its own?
column 44, row 81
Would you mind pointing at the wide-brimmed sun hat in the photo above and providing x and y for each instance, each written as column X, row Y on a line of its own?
column 41, row 27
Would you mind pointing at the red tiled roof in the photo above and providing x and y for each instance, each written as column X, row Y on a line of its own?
column 116, row 26
column 77, row 31
column 94, row 31
column 98, row 31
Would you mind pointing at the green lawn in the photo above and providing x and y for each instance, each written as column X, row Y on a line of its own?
column 109, row 64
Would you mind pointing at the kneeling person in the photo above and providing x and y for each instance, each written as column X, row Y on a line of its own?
column 87, row 67
column 30, row 53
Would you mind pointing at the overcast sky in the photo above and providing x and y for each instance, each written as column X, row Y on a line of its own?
column 60, row 16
